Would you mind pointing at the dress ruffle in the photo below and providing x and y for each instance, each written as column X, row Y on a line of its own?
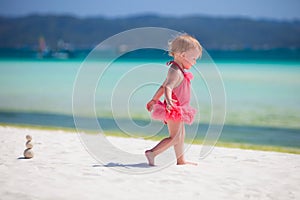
column 177, row 113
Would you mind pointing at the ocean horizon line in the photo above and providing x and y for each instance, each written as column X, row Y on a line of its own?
column 278, row 54
column 244, row 134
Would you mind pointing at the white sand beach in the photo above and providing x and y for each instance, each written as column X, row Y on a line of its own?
column 63, row 169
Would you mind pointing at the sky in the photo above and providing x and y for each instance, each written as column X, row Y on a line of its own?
column 256, row 9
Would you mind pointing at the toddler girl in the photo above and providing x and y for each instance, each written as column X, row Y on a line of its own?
column 175, row 110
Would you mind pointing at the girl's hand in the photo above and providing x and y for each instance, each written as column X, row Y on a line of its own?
column 170, row 104
column 150, row 104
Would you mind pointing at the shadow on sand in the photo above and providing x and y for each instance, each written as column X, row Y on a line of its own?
column 137, row 165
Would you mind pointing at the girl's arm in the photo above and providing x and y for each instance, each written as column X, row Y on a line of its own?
column 155, row 98
column 174, row 78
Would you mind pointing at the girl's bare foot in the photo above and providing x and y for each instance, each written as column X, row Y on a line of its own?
column 186, row 163
column 150, row 157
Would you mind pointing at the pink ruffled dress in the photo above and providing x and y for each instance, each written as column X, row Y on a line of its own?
column 181, row 111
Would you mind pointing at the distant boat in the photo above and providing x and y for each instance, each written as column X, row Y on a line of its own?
column 63, row 54
column 43, row 51
column 63, row 51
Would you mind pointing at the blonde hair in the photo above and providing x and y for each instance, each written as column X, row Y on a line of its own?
column 183, row 43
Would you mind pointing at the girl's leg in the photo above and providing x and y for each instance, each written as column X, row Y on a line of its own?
column 175, row 129
column 179, row 147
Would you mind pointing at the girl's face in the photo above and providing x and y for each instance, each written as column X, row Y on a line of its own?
column 189, row 58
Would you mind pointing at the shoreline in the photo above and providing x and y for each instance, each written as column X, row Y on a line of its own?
column 242, row 146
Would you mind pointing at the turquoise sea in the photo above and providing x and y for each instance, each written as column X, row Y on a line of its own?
column 262, row 96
